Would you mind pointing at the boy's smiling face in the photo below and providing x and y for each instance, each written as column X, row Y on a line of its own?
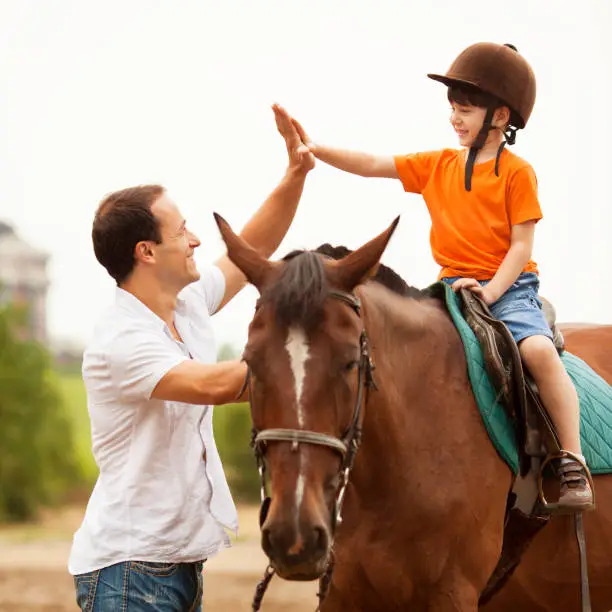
column 467, row 120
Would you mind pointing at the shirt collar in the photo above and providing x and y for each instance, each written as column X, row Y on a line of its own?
column 130, row 301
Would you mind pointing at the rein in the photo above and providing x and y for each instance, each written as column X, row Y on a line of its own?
column 347, row 446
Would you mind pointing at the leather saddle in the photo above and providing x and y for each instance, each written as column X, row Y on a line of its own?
column 535, row 432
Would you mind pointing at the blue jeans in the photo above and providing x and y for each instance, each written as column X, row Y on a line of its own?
column 519, row 308
column 139, row 586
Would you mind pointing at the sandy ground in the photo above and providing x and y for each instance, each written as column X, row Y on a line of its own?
column 33, row 575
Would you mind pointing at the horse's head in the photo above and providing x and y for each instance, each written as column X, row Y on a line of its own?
column 309, row 365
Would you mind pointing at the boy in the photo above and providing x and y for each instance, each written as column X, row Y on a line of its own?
column 483, row 204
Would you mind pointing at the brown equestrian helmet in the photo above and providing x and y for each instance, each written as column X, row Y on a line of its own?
column 498, row 70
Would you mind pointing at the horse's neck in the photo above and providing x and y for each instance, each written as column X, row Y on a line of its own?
column 416, row 353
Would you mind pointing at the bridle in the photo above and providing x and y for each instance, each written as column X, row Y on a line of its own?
column 347, row 446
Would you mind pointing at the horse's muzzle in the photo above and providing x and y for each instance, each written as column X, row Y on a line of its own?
column 296, row 553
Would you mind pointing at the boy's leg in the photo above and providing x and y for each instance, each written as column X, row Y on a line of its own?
column 521, row 310
column 560, row 399
column 556, row 389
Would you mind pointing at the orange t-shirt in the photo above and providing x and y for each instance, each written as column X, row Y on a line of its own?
column 470, row 230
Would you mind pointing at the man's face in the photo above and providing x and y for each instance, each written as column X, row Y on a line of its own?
column 174, row 256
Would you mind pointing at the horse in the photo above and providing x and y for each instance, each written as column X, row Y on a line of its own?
column 382, row 476
column 548, row 576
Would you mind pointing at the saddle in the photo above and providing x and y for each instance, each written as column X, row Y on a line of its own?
column 535, row 431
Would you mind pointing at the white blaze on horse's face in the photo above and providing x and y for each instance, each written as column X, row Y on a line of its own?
column 297, row 347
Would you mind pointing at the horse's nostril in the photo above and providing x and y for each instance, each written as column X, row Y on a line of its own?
column 266, row 540
column 320, row 540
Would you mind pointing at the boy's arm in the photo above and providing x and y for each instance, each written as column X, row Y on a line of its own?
column 523, row 214
column 362, row 164
column 519, row 253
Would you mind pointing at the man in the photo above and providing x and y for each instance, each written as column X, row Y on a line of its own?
column 161, row 501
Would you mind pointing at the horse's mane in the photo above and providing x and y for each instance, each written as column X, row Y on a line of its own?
column 302, row 287
column 385, row 276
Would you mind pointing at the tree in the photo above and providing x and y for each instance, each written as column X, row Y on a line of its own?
column 37, row 462
column 227, row 352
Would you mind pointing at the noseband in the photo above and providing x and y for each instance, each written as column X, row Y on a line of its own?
column 346, row 446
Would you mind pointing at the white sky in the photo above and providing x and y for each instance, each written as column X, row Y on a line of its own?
column 96, row 96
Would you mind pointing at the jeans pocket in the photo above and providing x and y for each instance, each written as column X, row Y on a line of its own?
column 199, row 578
column 536, row 302
column 163, row 586
column 154, row 568
column 85, row 586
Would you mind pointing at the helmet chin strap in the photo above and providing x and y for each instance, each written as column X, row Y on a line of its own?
column 487, row 125
column 478, row 143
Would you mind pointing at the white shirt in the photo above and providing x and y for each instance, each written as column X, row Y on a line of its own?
column 156, row 498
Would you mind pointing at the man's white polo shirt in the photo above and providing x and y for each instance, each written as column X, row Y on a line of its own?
column 156, row 498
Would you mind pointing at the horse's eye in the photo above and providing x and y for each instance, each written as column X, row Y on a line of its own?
column 351, row 365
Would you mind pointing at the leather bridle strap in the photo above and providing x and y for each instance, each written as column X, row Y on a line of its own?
column 301, row 436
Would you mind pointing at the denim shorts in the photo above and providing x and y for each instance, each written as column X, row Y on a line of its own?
column 141, row 586
column 519, row 308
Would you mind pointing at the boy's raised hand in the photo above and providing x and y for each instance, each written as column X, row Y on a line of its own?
column 300, row 156
column 302, row 132
column 306, row 141
column 354, row 162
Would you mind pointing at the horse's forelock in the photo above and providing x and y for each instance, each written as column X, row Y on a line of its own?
column 299, row 292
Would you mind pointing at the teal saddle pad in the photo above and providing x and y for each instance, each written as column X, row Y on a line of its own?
column 594, row 392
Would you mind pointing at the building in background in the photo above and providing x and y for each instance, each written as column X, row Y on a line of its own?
column 24, row 280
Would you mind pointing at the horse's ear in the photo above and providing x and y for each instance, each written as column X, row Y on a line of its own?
column 363, row 262
column 252, row 263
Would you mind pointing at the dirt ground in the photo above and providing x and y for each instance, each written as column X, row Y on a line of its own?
column 33, row 575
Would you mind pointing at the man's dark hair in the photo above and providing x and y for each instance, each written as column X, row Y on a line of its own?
column 124, row 219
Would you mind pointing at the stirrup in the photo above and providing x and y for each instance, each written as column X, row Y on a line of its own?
column 556, row 508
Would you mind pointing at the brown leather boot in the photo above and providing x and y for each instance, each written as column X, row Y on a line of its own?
column 576, row 494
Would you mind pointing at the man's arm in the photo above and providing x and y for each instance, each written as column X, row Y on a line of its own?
column 268, row 226
column 197, row 383
column 142, row 364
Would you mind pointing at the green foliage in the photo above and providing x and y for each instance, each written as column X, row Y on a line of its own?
column 232, row 425
column 75, row 399
column 37, row 463
column 45, row 439
column 227, row 352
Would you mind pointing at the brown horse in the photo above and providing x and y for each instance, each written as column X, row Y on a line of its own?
column 425, row 502
column 424, row 508
column 548, row 577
